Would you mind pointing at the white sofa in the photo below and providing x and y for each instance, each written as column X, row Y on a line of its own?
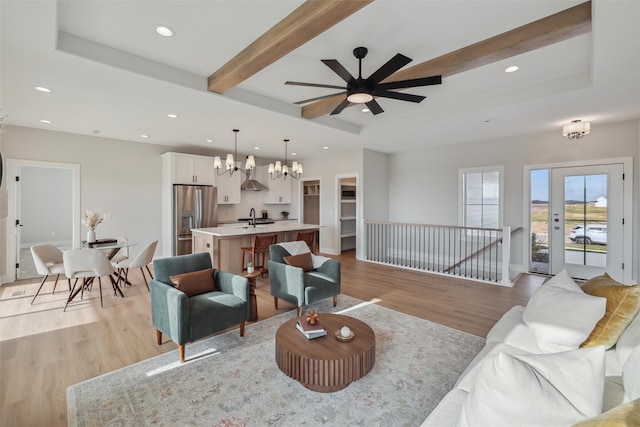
column 512, row 335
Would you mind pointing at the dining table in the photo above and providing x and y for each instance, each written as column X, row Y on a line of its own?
column 111, row 247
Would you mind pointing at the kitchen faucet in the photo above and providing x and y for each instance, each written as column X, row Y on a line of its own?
column 252, row 214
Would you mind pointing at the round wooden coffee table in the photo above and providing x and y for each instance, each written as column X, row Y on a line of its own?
column 326, row 364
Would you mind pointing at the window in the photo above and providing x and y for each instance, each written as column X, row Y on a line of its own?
column 481, row 197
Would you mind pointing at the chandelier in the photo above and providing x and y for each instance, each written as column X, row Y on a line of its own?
column 230, row 163
column 576, row 129
column 279, row 169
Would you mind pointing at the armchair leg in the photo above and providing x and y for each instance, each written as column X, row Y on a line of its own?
column 335, row 300
column 158, row 337
column 242, row 329
column 299, row 311
column 181, row 352
column 275, row 302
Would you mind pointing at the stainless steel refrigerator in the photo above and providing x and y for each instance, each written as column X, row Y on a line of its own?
column 194, row 206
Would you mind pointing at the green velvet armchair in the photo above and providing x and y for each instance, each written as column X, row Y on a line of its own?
column 301, row 288
column 187, row 319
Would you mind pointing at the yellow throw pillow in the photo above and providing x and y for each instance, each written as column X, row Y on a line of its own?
column 627, row 415
column 623, row 302
column 195, row 282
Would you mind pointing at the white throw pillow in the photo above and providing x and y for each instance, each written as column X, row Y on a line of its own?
column 557, row 389
column 560, row 315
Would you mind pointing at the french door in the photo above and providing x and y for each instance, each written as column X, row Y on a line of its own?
column 586, row 215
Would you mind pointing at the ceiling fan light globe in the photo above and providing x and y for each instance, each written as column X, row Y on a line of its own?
column 360, row 98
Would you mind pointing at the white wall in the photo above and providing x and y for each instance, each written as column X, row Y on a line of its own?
column 375, row 186
column 327, row 167
column 423, row 184
column 117, row 177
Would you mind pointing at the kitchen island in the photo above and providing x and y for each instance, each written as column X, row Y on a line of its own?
column 224, row 244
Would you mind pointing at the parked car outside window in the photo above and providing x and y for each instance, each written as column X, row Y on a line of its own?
column 596, row 233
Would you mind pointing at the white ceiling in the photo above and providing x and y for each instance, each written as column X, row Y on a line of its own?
column 110, row 72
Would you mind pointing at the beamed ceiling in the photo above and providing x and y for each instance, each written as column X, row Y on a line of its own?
column 112, row 76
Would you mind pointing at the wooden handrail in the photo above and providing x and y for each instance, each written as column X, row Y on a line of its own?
column 482, row 249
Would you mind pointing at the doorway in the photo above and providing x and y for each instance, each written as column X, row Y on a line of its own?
column 578, row 220
column 348, row 213
column 310, row 212
column 44, row 207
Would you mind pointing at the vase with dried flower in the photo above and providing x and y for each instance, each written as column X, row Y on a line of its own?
column 91, row 220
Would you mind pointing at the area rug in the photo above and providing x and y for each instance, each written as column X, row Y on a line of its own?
column 232, row 381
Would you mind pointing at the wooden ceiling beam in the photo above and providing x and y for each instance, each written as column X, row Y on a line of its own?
column 312, row 18
column 552, row 29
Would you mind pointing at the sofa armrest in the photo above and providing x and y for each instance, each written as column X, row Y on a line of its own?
column 170, row 311
column 286, row 282
column 331, row 268
column 233, row 284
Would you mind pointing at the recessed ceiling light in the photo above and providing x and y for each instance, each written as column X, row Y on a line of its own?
column 325, row 148
column 144, row 136
column 46, row 121
column 294, row 154
column 43, row 89
column 365, row 110
column 164, row 31
column 511, row 69
column 172, row 116
column 256, row 148
column 208, row 140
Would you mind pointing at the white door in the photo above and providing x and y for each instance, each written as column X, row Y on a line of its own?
column 44, row 197
column 586, row 214
column 43, row 207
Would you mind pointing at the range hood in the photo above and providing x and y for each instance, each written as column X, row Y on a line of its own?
column 252, row 184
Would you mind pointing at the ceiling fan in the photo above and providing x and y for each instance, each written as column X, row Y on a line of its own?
column 364, row 91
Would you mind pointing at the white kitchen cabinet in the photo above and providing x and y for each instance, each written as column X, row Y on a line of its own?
column 229, row 188
column 279, row 189
column 191, row 169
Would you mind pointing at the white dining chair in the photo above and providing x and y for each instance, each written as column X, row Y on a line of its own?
column 48, row 260
column 87, row 264
column 141, row 261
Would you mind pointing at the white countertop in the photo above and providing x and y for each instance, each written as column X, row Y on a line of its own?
column 240, row 230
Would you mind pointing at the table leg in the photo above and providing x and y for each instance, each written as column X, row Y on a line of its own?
column 253, row 302
column 116, row 288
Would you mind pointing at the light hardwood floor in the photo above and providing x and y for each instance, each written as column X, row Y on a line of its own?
column 43, row 350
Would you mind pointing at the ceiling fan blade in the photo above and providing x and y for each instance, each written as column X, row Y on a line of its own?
column 344, row 104
column 398, row 95
column 403, row 84
column 392, row 65
column 339, row 70
column 374, row 107
column 314, row 85
column 320, row 97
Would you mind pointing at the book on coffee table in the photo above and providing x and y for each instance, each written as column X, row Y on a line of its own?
column 310, row 331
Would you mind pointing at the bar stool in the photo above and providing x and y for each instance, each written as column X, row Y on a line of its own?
column 309, row 237
column 260, row 246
